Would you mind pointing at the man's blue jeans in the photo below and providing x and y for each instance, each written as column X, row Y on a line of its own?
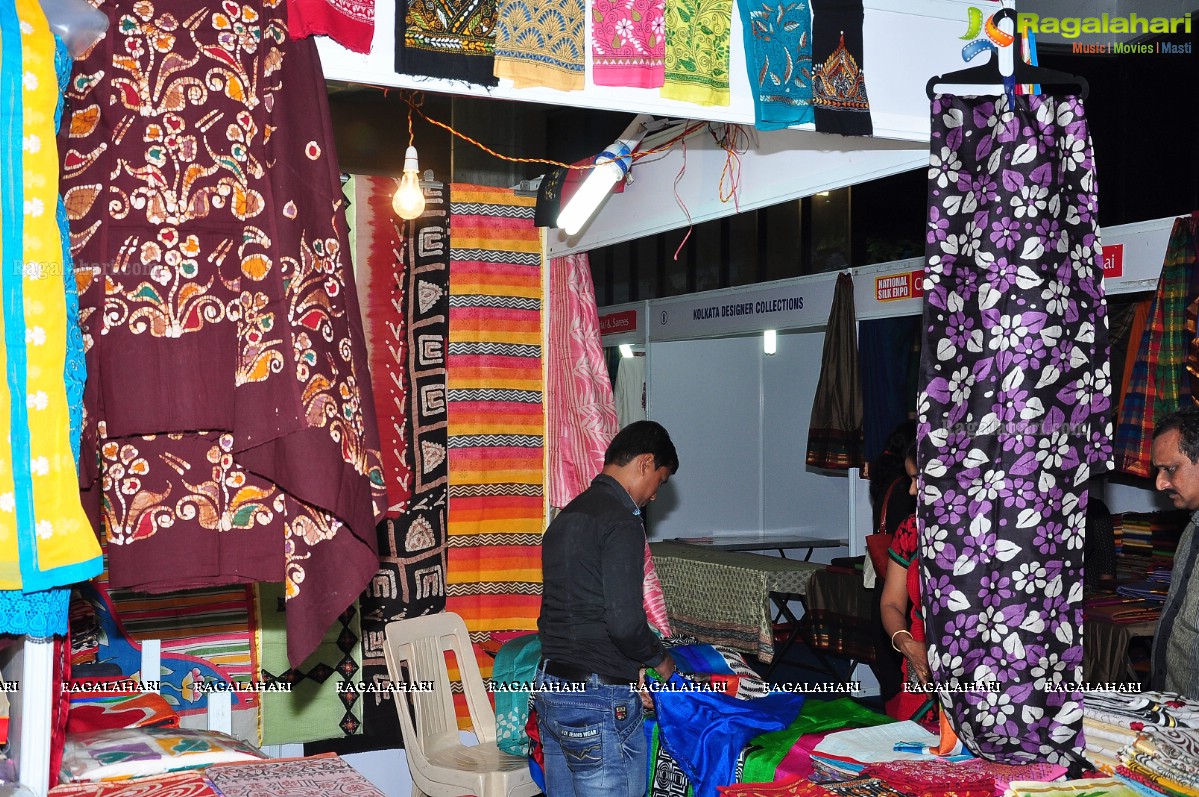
column 593, row 740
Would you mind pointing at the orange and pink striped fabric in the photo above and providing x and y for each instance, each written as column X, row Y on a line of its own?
column 496, row 422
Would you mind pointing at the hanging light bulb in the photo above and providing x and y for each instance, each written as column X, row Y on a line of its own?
column 409, row 199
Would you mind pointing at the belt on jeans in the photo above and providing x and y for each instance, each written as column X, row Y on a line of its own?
column 578, row 675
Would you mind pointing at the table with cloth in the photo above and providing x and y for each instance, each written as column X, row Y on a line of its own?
column 1105, row 649
column 724, row 597
column 841, row 618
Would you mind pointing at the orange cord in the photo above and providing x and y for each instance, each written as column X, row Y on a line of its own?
column 682, row 204
column 415, row 105
column 415, row 100
column 730, row 143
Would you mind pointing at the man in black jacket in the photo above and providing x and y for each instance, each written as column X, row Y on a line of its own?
column 595, row 640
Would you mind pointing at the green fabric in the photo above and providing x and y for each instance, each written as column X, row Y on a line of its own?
column 515, row 665
column 324, row 701
column 769, row 749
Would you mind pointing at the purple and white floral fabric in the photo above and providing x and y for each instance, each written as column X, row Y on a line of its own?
column 1013, row 416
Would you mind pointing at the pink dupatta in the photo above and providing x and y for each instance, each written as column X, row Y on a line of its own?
column 582, row 411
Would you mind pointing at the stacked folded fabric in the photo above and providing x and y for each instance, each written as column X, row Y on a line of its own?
column 974, row 778
column 1148, row 589
column 705, row 659
column 705, row 733
column 788, row 752
column 1146, row 541
column 1168, row 709
column 1114, row 721
column 832, row 770
column 1088, row 787
column 1166, row 758
column 1105, row 740
column 1134, row 534
column 684, row 767
column 1122, row 610
column 863, row 787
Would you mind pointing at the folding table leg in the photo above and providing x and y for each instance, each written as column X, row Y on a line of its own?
column 796, row 632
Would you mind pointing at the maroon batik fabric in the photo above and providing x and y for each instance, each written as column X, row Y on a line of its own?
column 228, row 420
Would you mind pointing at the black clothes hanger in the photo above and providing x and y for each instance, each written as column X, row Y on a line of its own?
column 1052, row 81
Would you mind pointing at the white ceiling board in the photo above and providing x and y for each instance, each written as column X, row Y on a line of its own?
column 784, row 165
column 905, row 42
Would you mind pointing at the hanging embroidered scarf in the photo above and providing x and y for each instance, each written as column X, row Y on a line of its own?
column 540, row 44
column 697, row 51
column 408, row 265
column 350, row 23
column 628, row 43
column 1013, row 416
column 835, row 430
column 447, row 39
column 226, row 365
column 46, row 539
column 1158, row 387
column 839, row 74
column 496, row 420
column 778, row 55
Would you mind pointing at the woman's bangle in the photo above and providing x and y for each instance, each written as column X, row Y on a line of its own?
column 897, row 633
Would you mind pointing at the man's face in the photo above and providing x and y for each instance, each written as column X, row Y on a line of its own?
column 1177, row 476
column 647, row 480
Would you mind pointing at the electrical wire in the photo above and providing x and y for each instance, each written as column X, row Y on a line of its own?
column 416, row 100
column 682, row 204
column 734, row 140
column 735, row 143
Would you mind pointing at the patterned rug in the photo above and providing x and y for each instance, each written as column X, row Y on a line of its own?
column 315, row 776
column 403, row 274
column 496, row 421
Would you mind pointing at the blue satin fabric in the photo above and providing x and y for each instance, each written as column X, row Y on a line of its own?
column 705, row 731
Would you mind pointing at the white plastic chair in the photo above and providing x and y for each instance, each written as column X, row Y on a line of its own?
column 440, row 764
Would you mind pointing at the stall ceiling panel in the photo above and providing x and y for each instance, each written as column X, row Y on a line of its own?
column 905, row 42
